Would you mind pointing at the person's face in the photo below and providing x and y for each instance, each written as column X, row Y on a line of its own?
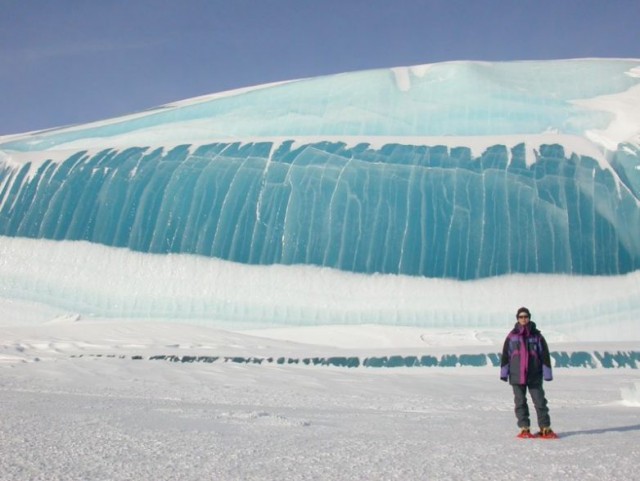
column 523, row 318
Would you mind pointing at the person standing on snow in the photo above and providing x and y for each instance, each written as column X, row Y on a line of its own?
column 525, row 364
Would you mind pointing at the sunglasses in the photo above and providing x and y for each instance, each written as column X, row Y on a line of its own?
column 523, row 317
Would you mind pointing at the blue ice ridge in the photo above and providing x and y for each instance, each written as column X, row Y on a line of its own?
column 429, row 211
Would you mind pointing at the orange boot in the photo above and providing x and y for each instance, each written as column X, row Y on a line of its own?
column 547, row 433
column 525, row 433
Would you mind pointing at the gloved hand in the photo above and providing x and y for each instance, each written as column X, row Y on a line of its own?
column 504, row 372
column 546, row 373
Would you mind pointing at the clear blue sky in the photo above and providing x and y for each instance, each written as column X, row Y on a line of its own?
column 73, row 61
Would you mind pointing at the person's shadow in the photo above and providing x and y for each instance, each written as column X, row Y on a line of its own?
column 620, row 429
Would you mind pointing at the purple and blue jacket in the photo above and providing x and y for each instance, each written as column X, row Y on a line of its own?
column 525, row 356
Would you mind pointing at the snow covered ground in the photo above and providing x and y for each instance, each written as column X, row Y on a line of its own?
column 82, row 401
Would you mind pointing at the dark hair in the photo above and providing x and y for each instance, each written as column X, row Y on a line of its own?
column 525, row 310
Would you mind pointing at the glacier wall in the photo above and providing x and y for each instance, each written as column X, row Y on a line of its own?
column 455, row 172
column 400, row 209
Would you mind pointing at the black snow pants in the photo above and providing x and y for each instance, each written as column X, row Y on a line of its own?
column 539, row 401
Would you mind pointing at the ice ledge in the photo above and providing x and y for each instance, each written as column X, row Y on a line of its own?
column 41, row 280
column 194, row 136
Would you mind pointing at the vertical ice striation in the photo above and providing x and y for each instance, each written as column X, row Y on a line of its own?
column 401, row 209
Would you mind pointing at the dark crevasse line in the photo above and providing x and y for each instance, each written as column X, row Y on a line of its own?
column 561, row 359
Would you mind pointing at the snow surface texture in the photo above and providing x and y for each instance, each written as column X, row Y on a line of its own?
column 456, row 171
column 66, row 417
